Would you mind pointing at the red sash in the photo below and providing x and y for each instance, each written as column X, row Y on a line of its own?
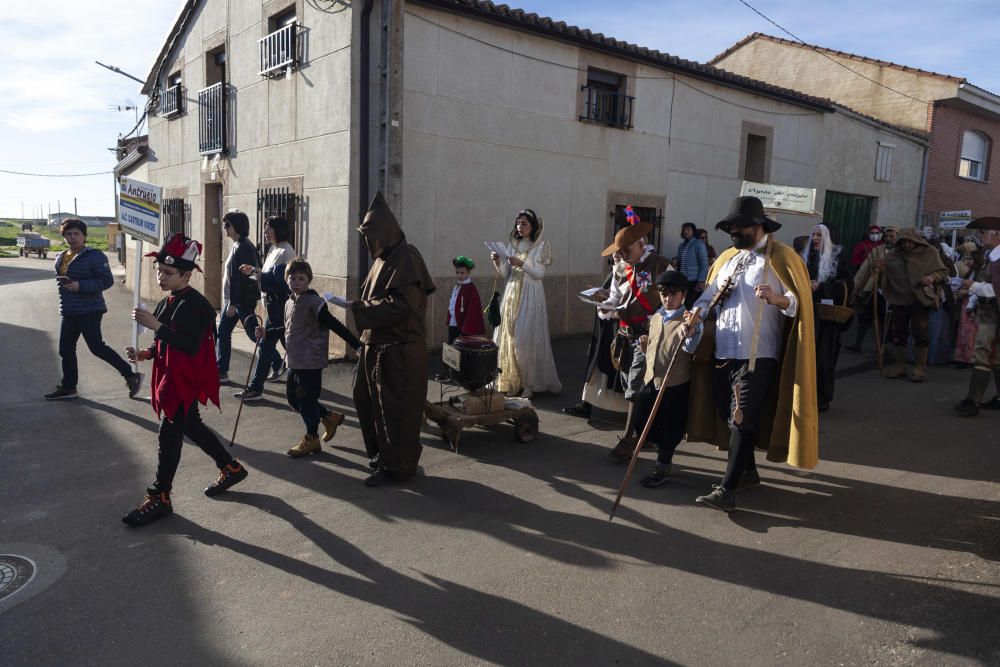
column 639, row 296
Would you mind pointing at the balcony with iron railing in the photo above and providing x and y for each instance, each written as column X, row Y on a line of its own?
column 279, row 50
column 170, row 102
column 212, row 120
column 607, row 107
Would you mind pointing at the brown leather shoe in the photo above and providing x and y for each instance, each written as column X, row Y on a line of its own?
column 330, row 422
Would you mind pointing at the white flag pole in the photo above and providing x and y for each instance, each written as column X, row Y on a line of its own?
column 135, row 296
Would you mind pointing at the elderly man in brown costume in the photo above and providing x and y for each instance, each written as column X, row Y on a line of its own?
column 911, row 275
column 390, row 388
column 633, row 301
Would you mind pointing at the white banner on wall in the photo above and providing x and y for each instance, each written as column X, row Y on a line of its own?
column 782, row 197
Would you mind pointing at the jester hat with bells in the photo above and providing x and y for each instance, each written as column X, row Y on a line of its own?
column 179, row 252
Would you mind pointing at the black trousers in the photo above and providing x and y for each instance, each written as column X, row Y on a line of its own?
column 302, row 389
column 740, row 397
column 670, row 423
column 88, row 326
column 185, row 423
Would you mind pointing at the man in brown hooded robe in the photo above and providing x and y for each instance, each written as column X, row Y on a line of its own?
column 390, row 388
column 911, row 276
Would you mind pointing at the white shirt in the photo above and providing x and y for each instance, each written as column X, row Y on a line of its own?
column 280, row 253
column 735, row 322
column 985, row 290
column 454, row 298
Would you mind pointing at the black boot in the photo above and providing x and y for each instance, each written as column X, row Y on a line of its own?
column 233, row 473
column 155, row 505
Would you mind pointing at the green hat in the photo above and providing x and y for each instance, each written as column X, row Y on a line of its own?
column 462, row 260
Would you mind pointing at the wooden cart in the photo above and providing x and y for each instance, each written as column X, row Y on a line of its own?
column 450, row 418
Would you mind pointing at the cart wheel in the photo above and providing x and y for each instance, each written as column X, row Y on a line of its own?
column 45, row 255
column 525, row 429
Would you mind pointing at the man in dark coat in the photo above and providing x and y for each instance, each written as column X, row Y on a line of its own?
column 390, row 388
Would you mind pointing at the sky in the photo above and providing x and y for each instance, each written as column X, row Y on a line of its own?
column 55, row 118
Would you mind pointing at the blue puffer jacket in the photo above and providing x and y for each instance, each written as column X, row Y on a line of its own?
column 91, row 269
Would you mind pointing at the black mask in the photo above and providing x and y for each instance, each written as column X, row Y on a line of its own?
column 742, row 240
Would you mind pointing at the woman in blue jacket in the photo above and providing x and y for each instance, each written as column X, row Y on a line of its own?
column 83, row 274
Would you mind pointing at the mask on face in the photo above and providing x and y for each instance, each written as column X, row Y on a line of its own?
column 875, row 237
column 741, row 240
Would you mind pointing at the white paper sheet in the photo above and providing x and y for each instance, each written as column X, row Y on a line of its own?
column 499, row 247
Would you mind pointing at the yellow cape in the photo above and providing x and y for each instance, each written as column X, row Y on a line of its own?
column 793, row 434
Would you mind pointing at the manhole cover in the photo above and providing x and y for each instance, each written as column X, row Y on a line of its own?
column 15, row 573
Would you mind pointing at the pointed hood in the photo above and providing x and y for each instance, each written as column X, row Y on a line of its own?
column 380, row 228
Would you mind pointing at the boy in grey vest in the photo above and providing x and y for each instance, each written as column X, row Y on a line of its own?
column 307, row 321
column 666, row 335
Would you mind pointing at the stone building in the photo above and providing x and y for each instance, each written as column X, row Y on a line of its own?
column 464, row 112
column 961, row 120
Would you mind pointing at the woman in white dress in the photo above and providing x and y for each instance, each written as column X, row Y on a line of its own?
column 525, row 355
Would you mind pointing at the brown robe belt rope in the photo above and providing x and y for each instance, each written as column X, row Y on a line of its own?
column 723, row 291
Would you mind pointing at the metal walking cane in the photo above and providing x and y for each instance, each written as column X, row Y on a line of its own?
column 243, row 394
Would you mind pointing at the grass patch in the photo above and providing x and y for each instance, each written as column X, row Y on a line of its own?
column 98, row 238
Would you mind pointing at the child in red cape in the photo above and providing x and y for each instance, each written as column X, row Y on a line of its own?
column 184, row 374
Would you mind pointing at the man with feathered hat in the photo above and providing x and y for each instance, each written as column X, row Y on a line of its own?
column 184, row 375
column 633, row 301
column 754, row 380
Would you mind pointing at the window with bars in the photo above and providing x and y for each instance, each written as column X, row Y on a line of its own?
column 175, row 218
column 212, row 120
column 171, row 99
column 279, row 51
column 646, row 214
column 283, row 202
column 605, row 101
column 883, row 161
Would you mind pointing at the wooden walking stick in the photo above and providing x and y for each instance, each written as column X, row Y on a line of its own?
column 243, row 394
column 880, row 256
column 721, row 294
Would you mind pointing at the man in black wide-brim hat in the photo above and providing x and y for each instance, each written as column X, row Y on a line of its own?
column 763, row 379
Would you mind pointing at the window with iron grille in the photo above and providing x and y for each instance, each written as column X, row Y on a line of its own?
column 646, row 214
column 605, row 101
column 212, row 119
column 883, row 161
column 283, row 202
column 175, row 218
column 171, row 99
column 279, row 51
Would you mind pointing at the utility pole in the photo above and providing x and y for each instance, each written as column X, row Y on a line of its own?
column 22, row 210
column 74, row 208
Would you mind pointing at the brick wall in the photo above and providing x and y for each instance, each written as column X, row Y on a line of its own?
column 946, row 191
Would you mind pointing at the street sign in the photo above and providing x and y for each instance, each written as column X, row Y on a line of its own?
column 139, row 209
column 782, row 197
column 954, row 219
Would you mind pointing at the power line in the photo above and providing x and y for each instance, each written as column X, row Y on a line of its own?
column 833, row 60
column 25, row 173
column 575, row 68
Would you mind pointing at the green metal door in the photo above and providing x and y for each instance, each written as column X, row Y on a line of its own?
column 848, row 217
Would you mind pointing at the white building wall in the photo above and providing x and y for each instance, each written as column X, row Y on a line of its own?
column 293, row 129
column 491, row 126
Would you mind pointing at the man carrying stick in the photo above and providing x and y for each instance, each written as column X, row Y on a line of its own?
column 763, row 379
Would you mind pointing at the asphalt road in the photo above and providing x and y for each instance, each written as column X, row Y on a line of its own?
column 502, row 553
